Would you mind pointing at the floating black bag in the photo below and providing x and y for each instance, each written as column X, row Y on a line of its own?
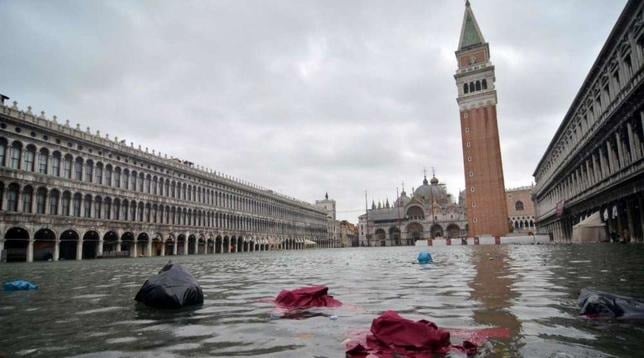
column 598, row 304
column 173, row 287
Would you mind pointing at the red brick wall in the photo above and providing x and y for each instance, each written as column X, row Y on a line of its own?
column 483, row 158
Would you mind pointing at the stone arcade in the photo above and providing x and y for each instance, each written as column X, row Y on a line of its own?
column 69, row 194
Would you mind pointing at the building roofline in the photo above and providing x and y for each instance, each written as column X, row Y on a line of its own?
column 606, row 48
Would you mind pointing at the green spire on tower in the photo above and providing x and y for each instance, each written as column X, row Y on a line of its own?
column 470, row 33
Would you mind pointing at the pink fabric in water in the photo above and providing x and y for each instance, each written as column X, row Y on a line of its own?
column 306, row 297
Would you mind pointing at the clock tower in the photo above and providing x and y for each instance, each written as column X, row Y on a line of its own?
column 485, row 189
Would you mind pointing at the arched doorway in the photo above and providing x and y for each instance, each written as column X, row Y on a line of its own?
column 68, row 245
column 192, row 245
column 142, row 244
column 157, row 245
column 210, row 246
column 414, row 233
column 44, row 245
column 394, row 236
column 181, row 245
column 90, row 245
column 453, row 231
column 436, row 231
column 218, row 245
column 110, row 243
column 169, row 246
column 127, row 244
column 381, row 237
column 240, row 244
column 201, row 246
column 226, row 245
column 15, row 244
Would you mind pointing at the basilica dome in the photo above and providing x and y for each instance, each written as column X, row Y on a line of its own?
column 431, row 191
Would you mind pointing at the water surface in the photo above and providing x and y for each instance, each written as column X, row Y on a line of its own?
column 86, row 308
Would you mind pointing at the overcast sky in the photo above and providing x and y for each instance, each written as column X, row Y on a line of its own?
column 302, row 97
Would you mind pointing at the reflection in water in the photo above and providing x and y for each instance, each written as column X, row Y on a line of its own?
column 87, row 308
column 492, row 288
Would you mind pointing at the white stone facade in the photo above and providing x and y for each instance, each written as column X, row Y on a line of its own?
column 66, row 193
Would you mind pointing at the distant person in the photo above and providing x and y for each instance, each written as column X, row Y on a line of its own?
column 613, row 236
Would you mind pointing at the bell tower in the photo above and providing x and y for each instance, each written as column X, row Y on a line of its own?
column 485, row 189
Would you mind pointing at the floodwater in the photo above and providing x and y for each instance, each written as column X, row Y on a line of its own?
column 87, row 309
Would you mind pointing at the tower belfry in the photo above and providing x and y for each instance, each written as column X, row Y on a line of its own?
column 477, row 99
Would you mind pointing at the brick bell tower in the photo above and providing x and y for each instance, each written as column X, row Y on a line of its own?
column 485, row 189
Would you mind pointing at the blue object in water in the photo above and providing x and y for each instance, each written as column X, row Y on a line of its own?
column 19, row 285
column 424, row 257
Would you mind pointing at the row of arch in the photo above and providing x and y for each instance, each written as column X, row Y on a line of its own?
column 45, row 245
column 65, row 203
column 475, row 86
column 414, row 231
column 16, row 155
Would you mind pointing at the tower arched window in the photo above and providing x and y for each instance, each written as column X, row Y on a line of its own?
column 478, row 85
column 484, row 84
column 465, row 88
column 518, row 205
column 471, row 86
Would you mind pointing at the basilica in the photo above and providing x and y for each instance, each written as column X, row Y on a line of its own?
column 430, row 212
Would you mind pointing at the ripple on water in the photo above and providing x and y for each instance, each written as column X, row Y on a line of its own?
column 530, row 290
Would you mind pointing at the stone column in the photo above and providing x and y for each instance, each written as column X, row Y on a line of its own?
column 30, row 250
column 118, row 245
column 99, row 249
column 621, row 155
column 640, row 203
column 135, row 246
column 56, row 250
column 174, row 247
column 162, row 248
column 79, row 249
column 629, row 219
column 185, row 246
column 634, row 142
column 148, row 251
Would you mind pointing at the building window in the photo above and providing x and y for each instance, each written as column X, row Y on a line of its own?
column 43, row 161
column 117, row 178
column 467, row 129
column 65, row 205
column 484, row 84
column 78, row 169
column 465, row 89
column 27, row 195
column 67, row 167
column 88, row 206
column 99, row 173
column 471, row 173
column 53, row 202
column 12, row 197
column 55, row 164
column 3, row 152
column 108, row 175
column 16, row 152
column 40, row 201
column 469, row 159
column 89, row 171
column 30, row 156
column 77, row 205
column 518, row 205
column 472, row 189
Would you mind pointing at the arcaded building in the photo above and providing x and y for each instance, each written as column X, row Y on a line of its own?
column 67, row 193
column 429, row 213
column 594, row 163
column 521, row 210
column 477, row 101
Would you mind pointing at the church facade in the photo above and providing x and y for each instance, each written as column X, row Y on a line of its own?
column 429, row 213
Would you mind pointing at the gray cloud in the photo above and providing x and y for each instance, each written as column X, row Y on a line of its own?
column 302, row 96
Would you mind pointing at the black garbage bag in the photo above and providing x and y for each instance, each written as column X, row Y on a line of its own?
column 173, row 287
column 598, row 304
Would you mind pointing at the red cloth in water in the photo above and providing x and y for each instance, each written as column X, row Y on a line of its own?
column 392, row 336
column 306, row 297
